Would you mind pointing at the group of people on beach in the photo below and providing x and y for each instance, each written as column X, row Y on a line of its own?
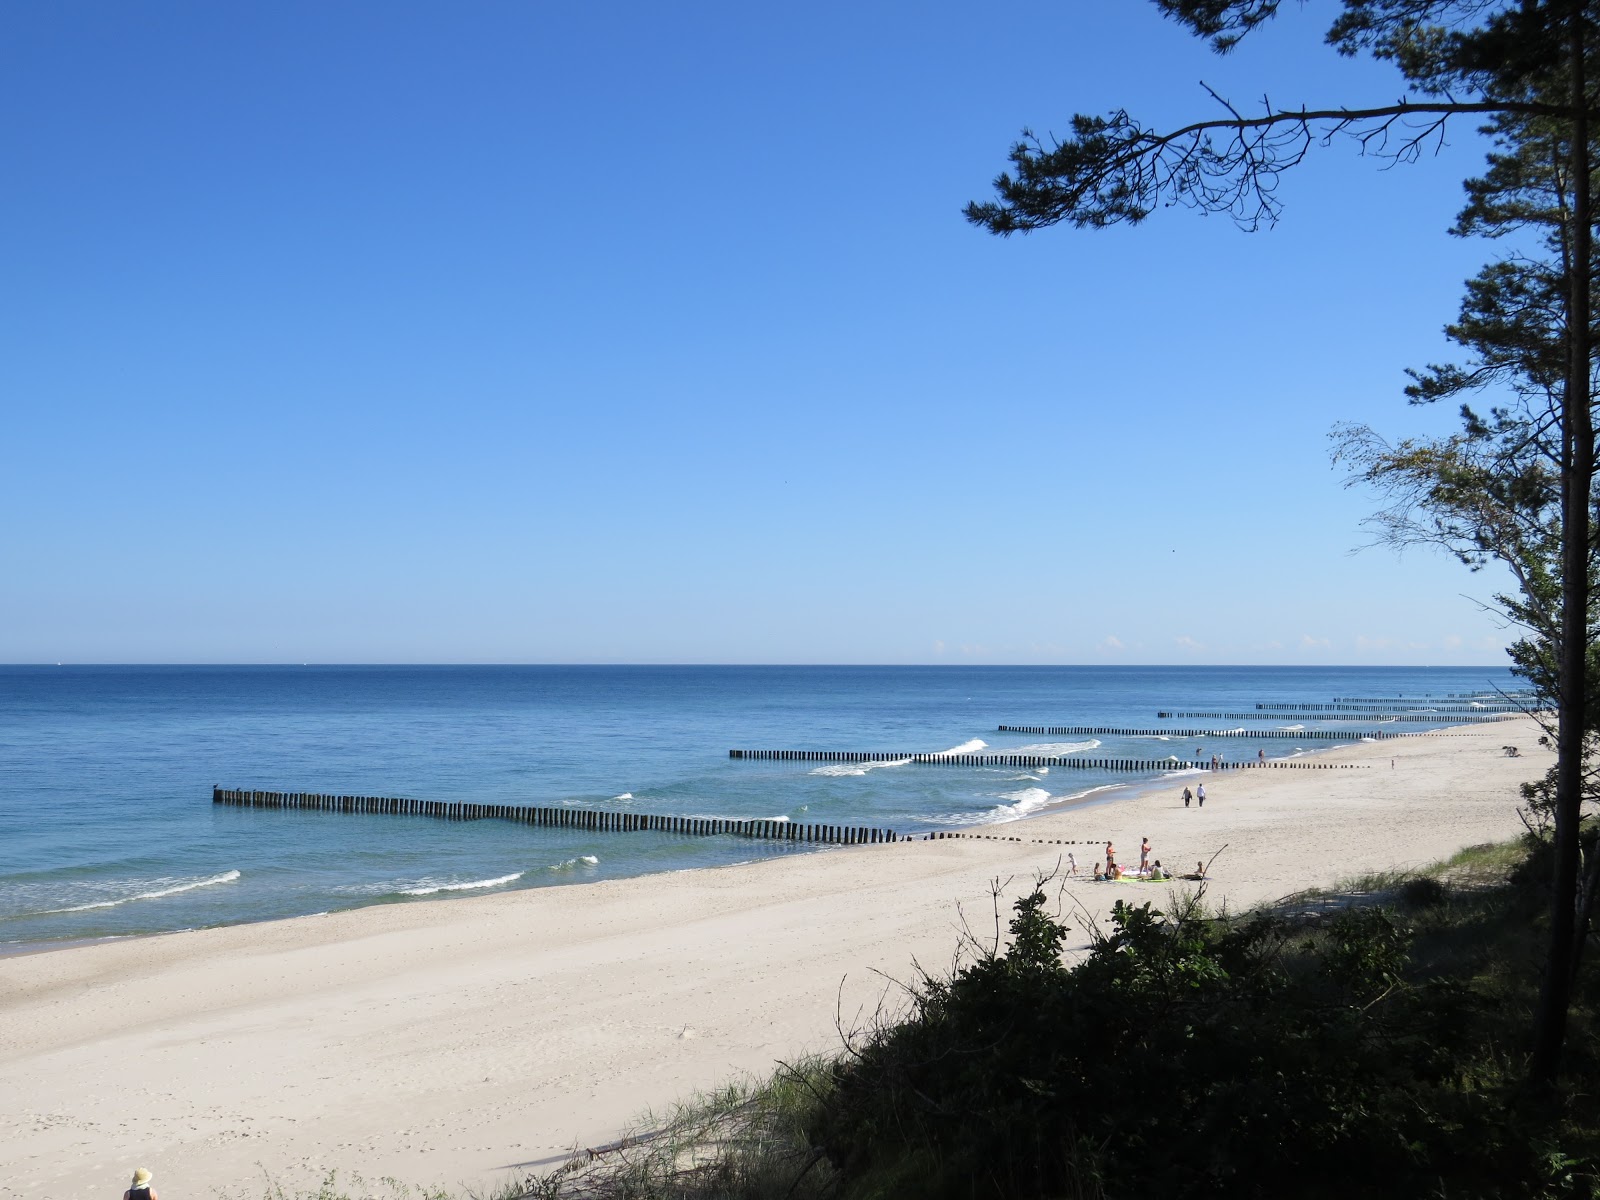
column 1217, row 760
column 1188, row 795
column 1148, row 869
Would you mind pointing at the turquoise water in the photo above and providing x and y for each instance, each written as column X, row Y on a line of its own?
column 107, row 827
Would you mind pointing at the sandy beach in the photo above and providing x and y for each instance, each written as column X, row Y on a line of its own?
column 456, row 1041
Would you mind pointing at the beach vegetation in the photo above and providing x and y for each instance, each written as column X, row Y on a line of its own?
column 1371, row 1043
column 1518, row 485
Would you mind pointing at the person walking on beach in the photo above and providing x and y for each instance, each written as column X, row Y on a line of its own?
column 1187, row 795
column 140, row 1189
column 1200, row 795
column 1072, row 864
column 1261, row 757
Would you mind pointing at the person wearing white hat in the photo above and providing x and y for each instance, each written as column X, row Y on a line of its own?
column 141, row 1189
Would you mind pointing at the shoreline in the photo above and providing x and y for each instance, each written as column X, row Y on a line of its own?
column 450, row 1043
column 1089, row 797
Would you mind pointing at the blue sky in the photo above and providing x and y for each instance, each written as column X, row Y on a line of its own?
column 523, row 332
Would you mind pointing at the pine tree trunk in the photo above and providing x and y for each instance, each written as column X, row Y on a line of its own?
column 1577, row 482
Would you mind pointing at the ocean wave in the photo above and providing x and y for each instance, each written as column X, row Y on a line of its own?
column 624, row 796
column 1024, row 803
column 470, row 886
column 1055, row 749
column 1027, row 800
column 583, row 860
column 838, row 770
column 1291, row 728
column 158, row 893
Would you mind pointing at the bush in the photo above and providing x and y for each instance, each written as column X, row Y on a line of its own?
column 1195, row 1056
column 1423, row 892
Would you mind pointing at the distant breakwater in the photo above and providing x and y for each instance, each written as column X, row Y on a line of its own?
column 1414, row 710
column 1027, row 760
column 1414, row 718
column 1295, row 734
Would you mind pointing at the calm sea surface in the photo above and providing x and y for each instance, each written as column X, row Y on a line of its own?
column 107, row 827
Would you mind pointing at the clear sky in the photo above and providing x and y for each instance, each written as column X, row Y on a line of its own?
column 641, row 332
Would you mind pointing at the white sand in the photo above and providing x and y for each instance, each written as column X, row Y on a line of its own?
column 454, row 1041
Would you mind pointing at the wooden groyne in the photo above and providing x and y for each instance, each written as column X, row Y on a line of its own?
column 1026, row 760
column 592, row 820
column 1415, row 718
column 1415, row 709
column 1491, row 697
column 1297, row 734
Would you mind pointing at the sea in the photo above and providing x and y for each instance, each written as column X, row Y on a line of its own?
column 107, row 828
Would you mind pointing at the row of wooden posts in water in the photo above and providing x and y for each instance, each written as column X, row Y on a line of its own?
column 1486, row 697
column 1027, row 760
column 1479, row 709
column 1296, row 734
column 590, row 819
column 1435, row 719
column 599, row 821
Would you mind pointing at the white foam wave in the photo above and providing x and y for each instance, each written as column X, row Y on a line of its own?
column 1292, row 728
column 587, row 860
column 624, row 796
column 1017, row 810
column 225, row 877
column 1022, row 803
column 839, row 770
column 1055, row 749
column 470, row 886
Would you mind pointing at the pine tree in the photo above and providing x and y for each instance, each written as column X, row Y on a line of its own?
column 1525, row 64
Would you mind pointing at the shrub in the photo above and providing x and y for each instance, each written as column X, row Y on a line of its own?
column 1195, row 1056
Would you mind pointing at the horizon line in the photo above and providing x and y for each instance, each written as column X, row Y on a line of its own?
column 875, row 665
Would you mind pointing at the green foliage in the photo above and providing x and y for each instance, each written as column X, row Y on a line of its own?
column 1372, row 1054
